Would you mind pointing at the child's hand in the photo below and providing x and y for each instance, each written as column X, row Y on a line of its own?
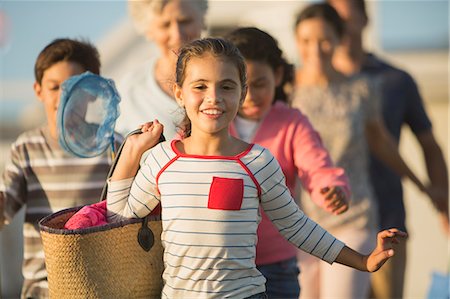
column 151, row 131
column 384, row 250
column 135, row 146
column 336, row 202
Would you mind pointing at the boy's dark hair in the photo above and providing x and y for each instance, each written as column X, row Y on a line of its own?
column 324, row 11
column 259, row 46
column 63, row 49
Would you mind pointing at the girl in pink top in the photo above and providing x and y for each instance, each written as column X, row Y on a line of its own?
column 265, row 119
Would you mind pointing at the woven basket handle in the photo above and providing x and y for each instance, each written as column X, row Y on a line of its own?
column 145, row 235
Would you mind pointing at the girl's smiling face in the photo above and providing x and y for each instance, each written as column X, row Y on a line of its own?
column 262, row 81
column 211, row 94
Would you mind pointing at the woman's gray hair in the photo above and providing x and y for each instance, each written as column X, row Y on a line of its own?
column 142, row 11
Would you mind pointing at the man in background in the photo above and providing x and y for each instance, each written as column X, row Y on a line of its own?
column 401, row 104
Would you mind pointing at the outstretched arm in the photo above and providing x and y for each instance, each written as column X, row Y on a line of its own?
column 383, row 145
column 437, row 188
column 327, row 184
column 382, row 252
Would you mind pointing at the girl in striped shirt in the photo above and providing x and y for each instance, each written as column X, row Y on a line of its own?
column 210, row 186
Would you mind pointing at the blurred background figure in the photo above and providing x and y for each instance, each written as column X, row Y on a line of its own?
column 345, row 112
column 394, row 32
column 266, row 119
column 401, row 104
column 147, row 90
column 40, row 175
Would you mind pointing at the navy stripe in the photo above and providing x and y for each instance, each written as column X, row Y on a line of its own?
column 318, row 241
column 300, row 228
column 209, row 220
column 212, row 280
column 184, row 183
column 185, row 194
column 210, row 258
column 288, row 216
column 307, row 237
column 267, row 164
column 146, row 192
column 278, row 196
column 323, row 257
column 278, row 208
column 295, row 224
column 117, row 201
column 131, row 210
column 208, row 268
column 194, row 160
column 119, row 190
column 156, row 160
column 204, row 208
column 209, row 292
column 208, row 233
column 164, row 150
column 274, row 186
column 141, row 203
column 152, row 195
column 208, row 246
column 270, row 176
column 143, row 174
column 256, row 157
column 207, row 172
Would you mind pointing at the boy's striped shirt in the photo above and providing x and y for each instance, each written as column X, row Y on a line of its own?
column 42, row 177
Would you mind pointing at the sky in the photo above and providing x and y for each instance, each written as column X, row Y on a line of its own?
column 27, row 26
column 33, row 24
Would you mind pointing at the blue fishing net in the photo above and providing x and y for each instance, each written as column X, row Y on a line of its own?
column 87, row 113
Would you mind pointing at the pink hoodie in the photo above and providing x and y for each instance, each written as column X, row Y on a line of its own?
column 290, row 137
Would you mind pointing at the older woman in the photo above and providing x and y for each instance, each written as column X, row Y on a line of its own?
column 147, row 90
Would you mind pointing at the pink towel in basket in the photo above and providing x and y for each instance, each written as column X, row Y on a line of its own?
column 88, row 216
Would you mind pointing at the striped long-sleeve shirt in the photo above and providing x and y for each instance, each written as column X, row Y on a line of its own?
column 42, row 177
column 210, row 217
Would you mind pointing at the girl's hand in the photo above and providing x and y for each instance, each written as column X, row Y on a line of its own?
column 139, row 143
column 135, row 146
column 385, row 242
column 336, row 202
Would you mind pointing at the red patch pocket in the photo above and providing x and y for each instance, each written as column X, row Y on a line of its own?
column 226, row 194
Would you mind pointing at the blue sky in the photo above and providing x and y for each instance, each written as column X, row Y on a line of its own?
column 414, row 24
column 33, row 24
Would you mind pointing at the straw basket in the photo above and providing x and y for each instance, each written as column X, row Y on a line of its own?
column 104, row 261
column 118, row 260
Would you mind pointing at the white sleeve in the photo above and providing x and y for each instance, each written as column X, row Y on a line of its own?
column 134, row 197
column 292, row 223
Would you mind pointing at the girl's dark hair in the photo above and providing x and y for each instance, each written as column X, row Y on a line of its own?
column 63, row 49
column 323, row 11
column 257, row 45
column 208, row 46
